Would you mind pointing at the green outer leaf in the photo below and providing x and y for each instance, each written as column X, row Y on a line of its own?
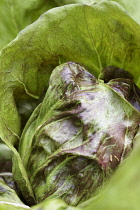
column 20, row 175
column 132, row 7
column 16, row 15
column 54, row 204
column 95, row 36
column 12, row 206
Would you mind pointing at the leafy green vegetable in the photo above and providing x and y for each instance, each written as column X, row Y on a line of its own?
column 72, row 143
column 58, row 141
column 58, row 36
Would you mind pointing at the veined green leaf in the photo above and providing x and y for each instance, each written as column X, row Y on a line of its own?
column 95, row 36
column 16, row 15
column 132, row 7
